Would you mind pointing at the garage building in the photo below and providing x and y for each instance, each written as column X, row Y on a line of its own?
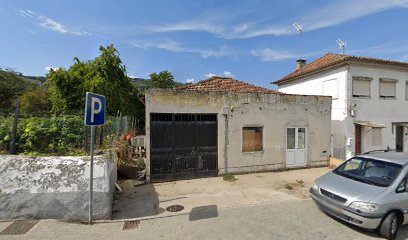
column 222, row 125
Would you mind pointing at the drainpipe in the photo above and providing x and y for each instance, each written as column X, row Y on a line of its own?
column 349, row 108
column 225, row 111
column 226, row 145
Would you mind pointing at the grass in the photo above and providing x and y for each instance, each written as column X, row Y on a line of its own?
column 288, row 187
column 229, row 177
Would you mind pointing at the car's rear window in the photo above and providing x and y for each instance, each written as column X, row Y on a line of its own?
column 370, row 171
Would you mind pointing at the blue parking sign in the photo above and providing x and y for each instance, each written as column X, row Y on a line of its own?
column 95, row 106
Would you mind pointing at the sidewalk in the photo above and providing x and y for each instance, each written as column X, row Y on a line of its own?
column 151, row 200
column 207, row 198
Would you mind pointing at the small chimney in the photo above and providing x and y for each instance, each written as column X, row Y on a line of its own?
column 300, row 63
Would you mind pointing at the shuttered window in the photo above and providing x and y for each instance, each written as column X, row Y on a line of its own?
column 406, row 90
column 361, row 86
column 251, row 139
column 387, row 88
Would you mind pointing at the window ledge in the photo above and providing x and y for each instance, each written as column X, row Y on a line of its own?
column 253, row 153
column 357, row 97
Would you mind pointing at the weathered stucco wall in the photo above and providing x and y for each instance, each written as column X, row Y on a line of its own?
column 55, row 187
column 273, row 112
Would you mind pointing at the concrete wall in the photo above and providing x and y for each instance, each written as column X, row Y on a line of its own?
column 55, row 187
column 314, row 85
column 273, row 112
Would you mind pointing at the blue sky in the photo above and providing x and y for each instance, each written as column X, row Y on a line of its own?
column 253, row 41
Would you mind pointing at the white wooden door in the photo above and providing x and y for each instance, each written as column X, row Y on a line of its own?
column 296, row 145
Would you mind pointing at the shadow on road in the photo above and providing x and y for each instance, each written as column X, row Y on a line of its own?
column 135, row 201
column 203, row 212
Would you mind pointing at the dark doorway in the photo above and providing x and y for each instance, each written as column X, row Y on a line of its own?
column 399, row 138
column 357, row 139
column 183, row 146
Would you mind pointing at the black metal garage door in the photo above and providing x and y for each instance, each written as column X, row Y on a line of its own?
column 182, row 146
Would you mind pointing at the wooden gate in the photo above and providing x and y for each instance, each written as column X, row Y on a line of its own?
column 182, row 146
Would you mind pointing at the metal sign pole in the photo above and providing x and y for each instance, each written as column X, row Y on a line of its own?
column 91, row 173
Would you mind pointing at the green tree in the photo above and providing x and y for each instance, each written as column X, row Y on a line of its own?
column 162, row 80
column 104, row 75
column 11, row 87
column 36, row 101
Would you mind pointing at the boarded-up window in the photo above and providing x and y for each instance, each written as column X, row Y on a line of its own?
column 330, row 88
column 376, row 136
column 251, row 139
column 387, row 88
column 361, row 86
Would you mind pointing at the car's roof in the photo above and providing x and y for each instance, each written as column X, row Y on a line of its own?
column 393, row 157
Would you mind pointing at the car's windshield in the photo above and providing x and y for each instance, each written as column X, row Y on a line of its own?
column 370, row 171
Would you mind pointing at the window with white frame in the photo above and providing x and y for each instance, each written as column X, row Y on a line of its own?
column 361, row 87
column 387, row 88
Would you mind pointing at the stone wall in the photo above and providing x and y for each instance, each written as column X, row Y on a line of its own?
column 55, row 187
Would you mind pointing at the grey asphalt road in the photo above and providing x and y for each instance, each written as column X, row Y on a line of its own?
column 292, row 220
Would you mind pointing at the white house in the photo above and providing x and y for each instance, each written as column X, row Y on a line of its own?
column 369, row 100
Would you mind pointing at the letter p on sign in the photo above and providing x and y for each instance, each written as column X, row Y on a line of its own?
column 95, row 107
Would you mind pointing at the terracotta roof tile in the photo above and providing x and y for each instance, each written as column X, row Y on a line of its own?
column 332, row 59
column 227, row 85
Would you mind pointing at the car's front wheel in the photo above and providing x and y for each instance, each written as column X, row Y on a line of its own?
column 389, row 226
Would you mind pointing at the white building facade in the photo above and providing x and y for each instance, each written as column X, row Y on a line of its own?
column 369, row 100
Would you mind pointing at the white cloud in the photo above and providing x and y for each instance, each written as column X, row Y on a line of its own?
column 53, row 68
column 224, row 74
column 239, row 31
column 268, row 55
column 132, row 76
column 172, row 46
column 332, row 13
column 342, row 11
column 51, row 24
column 228, row 74
column 190, row 80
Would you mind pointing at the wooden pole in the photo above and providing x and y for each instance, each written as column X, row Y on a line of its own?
column 14, row 129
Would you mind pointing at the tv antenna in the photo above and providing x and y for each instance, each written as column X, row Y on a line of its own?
column 300, row 30
column 342, row 45
column 298, row 27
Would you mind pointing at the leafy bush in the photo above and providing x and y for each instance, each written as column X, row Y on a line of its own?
column 45, row 135
column 5, row 127
column 51, row 135
column 35, row 101
column 54, row 135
